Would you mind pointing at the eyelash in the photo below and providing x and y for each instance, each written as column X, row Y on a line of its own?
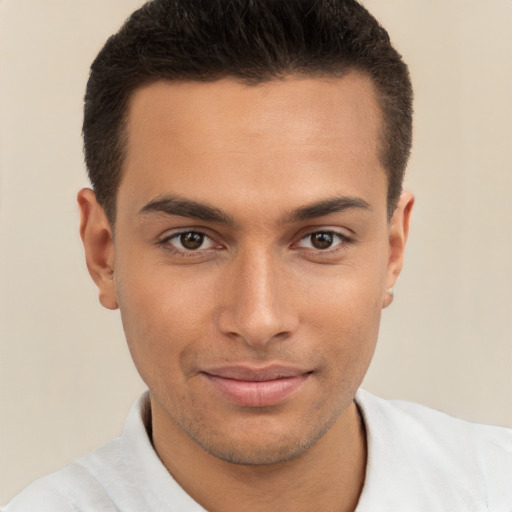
column 344, row 242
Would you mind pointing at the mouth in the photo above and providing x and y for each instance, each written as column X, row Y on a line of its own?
column 257, row 387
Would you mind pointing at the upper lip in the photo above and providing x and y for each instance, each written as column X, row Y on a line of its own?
column 256, row 374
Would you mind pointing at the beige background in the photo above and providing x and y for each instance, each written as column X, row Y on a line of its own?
column 66, row 379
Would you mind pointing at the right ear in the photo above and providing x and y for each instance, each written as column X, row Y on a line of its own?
column 96, row 234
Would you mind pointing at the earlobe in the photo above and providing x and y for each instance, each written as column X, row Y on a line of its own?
column 388, row 297
column 96, row 234
column 398, row 233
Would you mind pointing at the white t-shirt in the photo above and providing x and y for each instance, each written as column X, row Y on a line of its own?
column 419, row 460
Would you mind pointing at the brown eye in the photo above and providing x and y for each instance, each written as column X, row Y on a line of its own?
column 187, row 243
column 322, row 240
column 192, row 240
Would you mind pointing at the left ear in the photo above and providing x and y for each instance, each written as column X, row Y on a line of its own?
column 398, row 233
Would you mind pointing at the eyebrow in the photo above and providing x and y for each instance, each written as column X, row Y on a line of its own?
column 326, row 207
column 201, row 211
column 187, row 208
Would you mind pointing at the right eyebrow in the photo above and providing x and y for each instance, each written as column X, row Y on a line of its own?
column 186, row 208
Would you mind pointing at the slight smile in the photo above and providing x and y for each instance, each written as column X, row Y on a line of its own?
column 251, row 387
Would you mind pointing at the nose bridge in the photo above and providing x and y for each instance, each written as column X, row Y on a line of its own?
column 257, row 309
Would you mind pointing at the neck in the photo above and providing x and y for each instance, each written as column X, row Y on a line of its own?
column 329, row 476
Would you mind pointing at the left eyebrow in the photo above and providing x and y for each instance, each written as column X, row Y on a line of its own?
column 326, row 207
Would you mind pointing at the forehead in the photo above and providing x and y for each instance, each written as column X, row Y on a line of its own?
column 190, row 138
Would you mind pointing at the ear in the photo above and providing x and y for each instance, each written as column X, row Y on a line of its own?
column 96, row 235
column 398, row 233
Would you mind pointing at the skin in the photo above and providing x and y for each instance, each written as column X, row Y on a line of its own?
column 257, row 291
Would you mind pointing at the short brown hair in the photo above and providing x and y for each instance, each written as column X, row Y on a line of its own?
column 249, row 40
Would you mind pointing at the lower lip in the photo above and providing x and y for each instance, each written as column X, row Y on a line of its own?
column 257, row 394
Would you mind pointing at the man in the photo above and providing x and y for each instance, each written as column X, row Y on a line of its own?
column 249, row 222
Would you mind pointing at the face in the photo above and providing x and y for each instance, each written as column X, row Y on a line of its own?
column 251, row 257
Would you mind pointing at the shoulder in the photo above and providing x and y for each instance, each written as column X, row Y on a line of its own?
column 455, row 435
column 75, row 487
column 101, row 480
column 125, row 474
column 470, row 464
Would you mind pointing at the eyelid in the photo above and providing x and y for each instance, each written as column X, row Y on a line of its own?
column 174, row 232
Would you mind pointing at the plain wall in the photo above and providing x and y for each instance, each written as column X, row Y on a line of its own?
column 66, row 378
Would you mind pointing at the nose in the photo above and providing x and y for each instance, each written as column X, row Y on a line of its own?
column 258, row 306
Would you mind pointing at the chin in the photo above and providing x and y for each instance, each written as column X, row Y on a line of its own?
column 266, row 447
column 258, row 455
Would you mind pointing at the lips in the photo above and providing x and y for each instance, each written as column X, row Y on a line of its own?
column 257, row 387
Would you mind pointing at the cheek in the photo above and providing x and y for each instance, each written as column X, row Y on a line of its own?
column 348, row 296
column 349, row 327
column 348, row 343
column 162, row 316
column 344, row 310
